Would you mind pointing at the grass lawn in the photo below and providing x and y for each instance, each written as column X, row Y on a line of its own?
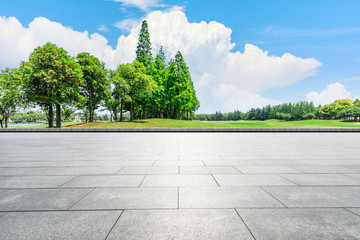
column 169, row 123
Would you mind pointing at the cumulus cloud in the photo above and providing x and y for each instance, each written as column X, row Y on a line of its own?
column 224, row 80
column 330, row 94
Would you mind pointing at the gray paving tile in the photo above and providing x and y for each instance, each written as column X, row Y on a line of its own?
column 266, row 169
column 24, row 164
column 180, row 224
column 355, row 210
column 321, row 179
column 129, row 163
column 185, row 170
column 40, row 199
column 328, row 162
column 83, row 163
column 36, row 171
column 275, row 162
column 179, row 181
column 337, row 196
column 2, row 213
column 83, row 170
column 179, row 163
column 150, row 170
column 34, row 181
column 298, row 224
column 129, row 198
column 357, row 176
column 226, row 197
column 227, row 162
column 252, row 180
column 328, row 169
column 105, row 181
column 57, row 225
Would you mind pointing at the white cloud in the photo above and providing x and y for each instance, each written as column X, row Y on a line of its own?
column 103, row 28
column 207, row 49
column 141, row 4
column 127, row 24
column 235, row 99
column 330, row 94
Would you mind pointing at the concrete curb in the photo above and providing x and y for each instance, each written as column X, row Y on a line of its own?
column 180, row 130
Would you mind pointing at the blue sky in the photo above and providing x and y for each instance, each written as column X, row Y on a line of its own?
column 327, row 31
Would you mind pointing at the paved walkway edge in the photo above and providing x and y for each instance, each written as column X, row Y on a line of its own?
column 172, row 130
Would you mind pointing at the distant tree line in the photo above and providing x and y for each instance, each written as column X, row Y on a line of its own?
column 61, row 85
column 340, row 109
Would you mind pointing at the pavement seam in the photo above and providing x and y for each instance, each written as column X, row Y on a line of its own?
column 244, row 223
column 215, row 180
column 287, row 179
column 114, row 224
column 81, row 198
column 352, row 212
column 273, row 197
column 142, row 180
column 67, row 182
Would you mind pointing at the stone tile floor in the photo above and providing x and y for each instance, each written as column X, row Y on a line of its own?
column 179, row 186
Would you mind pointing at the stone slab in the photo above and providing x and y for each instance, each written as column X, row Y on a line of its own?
column 321, row 179
column 40, row 199
column 178, row 163
column 226, row 197
column 179, row 181
column 323, row 196
column 252, row 180
column 191, row 170
column 298, row 224
column 57, row 225
column 105, row 181
column 183, row 224
column 34, row 181
column 328, row 169
column 129, row 198
column 266, row 169
column 149, row 170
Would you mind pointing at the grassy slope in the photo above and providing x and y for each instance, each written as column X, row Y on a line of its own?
column 168, row 123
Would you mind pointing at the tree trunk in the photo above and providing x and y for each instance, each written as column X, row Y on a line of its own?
column 1, row 123
column 58, row 116
column 131, row 111
column 6, row 122
column 121, row 110
column 144, row 112
column 51, row 116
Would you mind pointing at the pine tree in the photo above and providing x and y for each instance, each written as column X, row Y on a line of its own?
column 143, row 50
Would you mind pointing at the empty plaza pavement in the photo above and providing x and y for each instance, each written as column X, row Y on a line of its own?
column 179, row 186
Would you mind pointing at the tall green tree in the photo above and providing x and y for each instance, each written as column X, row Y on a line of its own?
column 180, row 90
column 11, row 94
column 95, row 83
column 139, row 83
column 121, row 88
column 52, row 78
column 143, row 49
column 157, row 101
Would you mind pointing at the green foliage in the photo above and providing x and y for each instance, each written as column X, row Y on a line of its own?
column 143, row 49
column 52, row 77
column 352, row 112
column 29, row 116
column 95, row 83
column 11, row 94
column 338, row 106
column 179, row 90
column 67, row 113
